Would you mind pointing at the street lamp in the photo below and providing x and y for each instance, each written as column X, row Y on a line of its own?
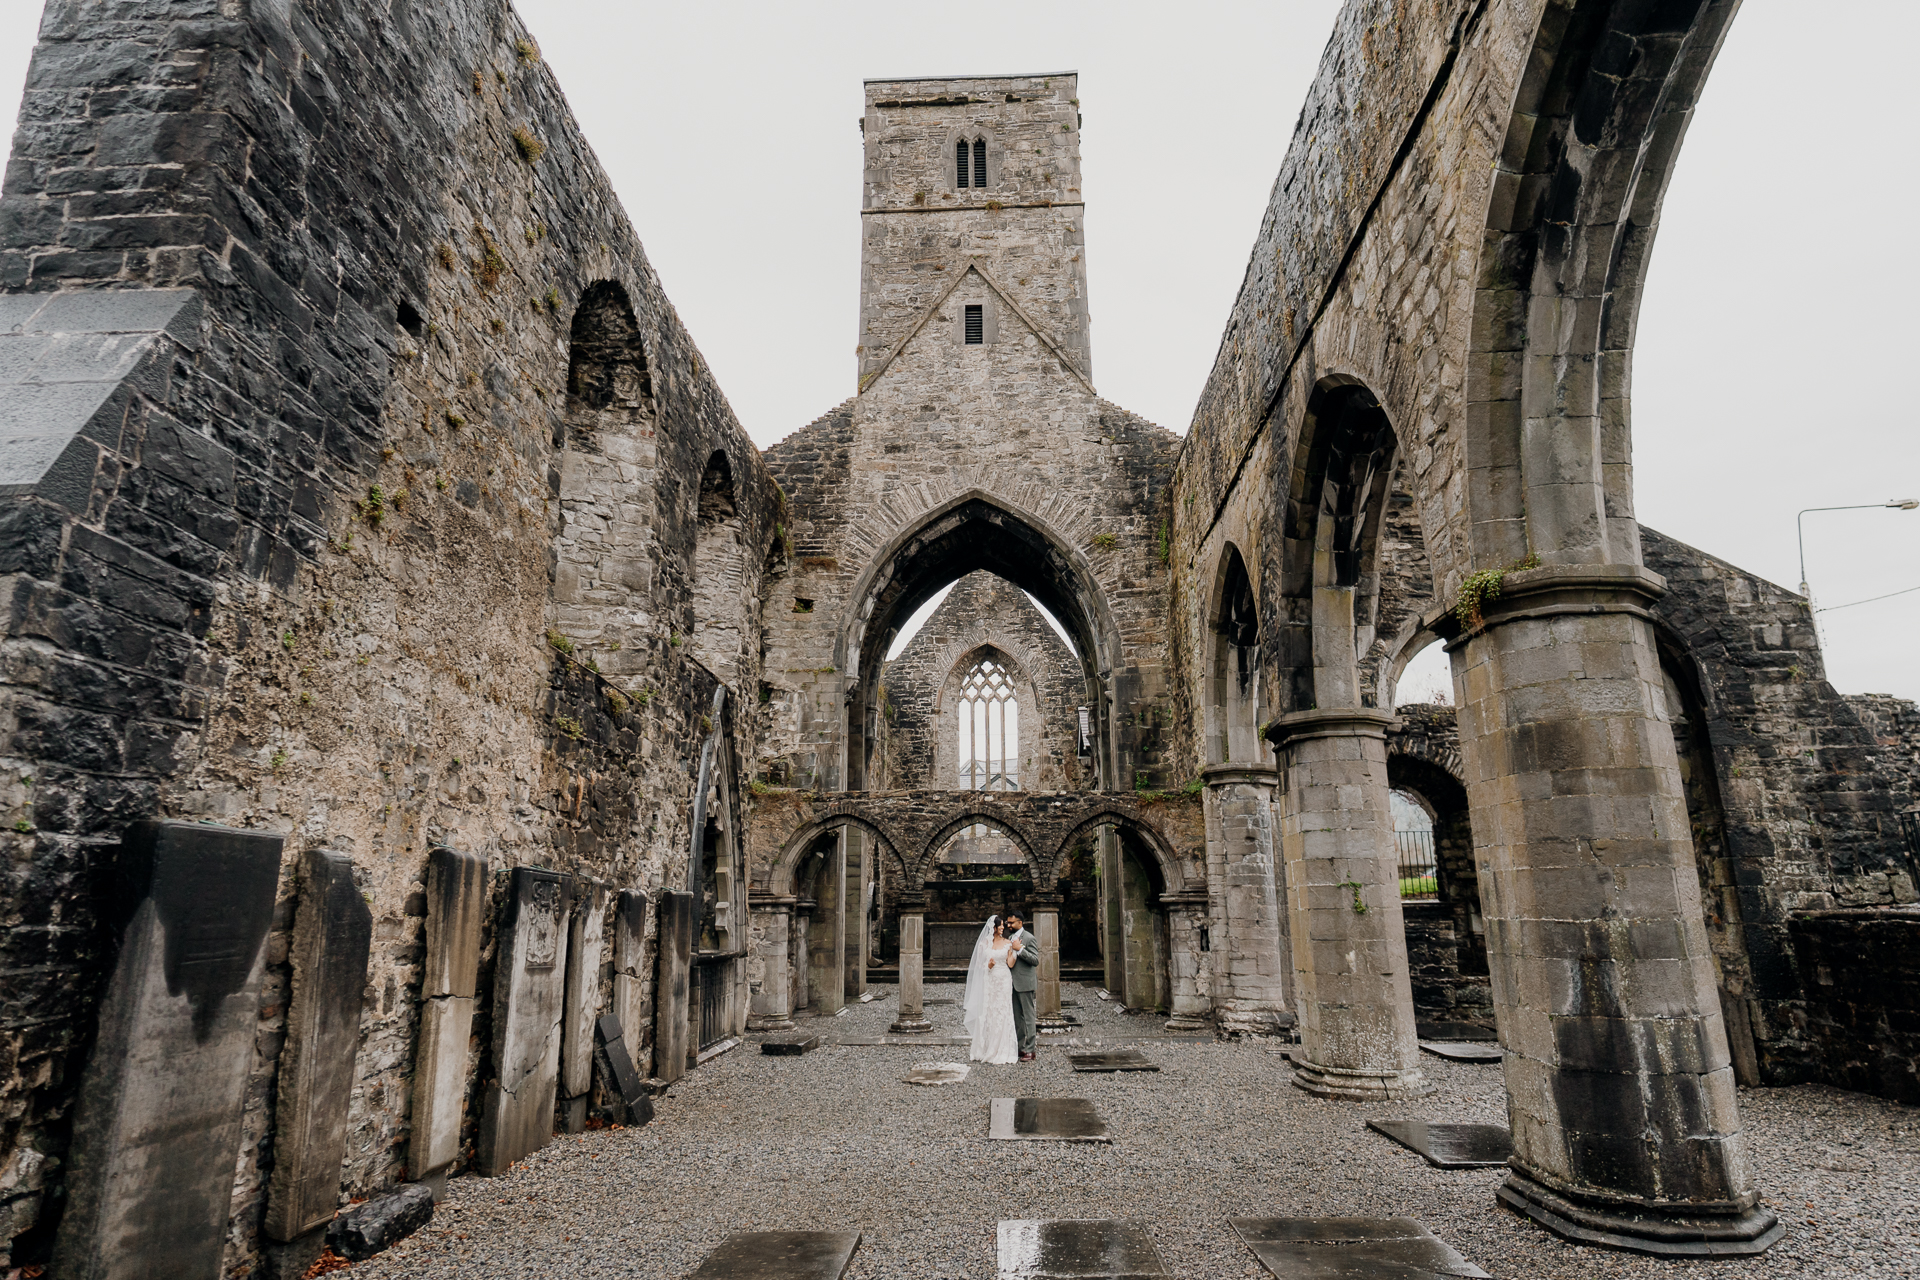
column 1898, row 504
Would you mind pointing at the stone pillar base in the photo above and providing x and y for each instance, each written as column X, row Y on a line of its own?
column 1688, row 1230
column 1361, row 1086
column 1183, row 1022
column 1254, row 1022
column 911, row 1027
column 769, row 1022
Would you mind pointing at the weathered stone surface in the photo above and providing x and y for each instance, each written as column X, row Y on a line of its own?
column 157, row 1127
column 1860, row 970
column 673, row 1040
column 455, row 902
column 1045, row 1120
column 938, row 1073
column 1451, row 1146
column 332, row 936
column 1041, row 1249
column 789, row 1046
column 781, row 1255
column 381, row 1223
column 1112, row 1060
column 528, row 997
column 1326, row 1248
column 634, row 1094
column 586, row 929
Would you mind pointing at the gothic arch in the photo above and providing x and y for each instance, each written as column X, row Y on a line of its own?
column 780, row 878
column 1166, row 861
column 1030, row 728
column 973, row 530
column 1232, row 711
column 1590, row 143
column 986, row 818
column 721, row 601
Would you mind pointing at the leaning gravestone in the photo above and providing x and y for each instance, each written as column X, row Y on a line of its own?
column 585, row 931
column 529, row 986
column 634, row 1095
column 157, row 1126
column 332, row 935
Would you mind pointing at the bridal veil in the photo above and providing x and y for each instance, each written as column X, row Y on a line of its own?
column 975, row 1002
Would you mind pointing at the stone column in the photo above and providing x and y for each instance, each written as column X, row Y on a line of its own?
column 913, row 916
column 1620, row 1088
column 1113, row 931
column 456, row 907
column 802, row 933
column 1252, row 965
column 332, row 937
column 586, row 937
column 529, row 998
column 671, row 1032
column 1189, row 929
column 854, row 934
column 1351, row 987
column 827, row 945
column 1046, row 928
column 157, row 1126
column 771, row 1007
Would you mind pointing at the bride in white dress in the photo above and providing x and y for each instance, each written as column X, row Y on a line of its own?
column 989, row 1000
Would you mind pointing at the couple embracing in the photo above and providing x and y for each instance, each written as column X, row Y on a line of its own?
column 1000, row 992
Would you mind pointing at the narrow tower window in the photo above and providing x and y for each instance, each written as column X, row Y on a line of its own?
column 976, row 325
column 960, row 163
column 979, row 162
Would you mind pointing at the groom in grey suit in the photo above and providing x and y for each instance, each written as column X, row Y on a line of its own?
column 1026, row 980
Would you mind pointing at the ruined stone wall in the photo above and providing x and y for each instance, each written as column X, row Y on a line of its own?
column 918, row 717
column 303, row 584
column 1861, row 972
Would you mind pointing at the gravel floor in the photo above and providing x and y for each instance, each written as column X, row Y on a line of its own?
column 835, row 1140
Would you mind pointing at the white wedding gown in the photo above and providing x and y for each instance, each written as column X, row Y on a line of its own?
column 996, row 1040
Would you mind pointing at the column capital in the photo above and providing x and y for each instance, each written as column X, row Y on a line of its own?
column 1046, row 901
column 1552, row 591
column 760, row 901
column 910, row 903
column 1332, row 722
column 1190, row 900
column 1246, row 771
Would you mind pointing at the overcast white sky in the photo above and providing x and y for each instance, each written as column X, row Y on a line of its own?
column 1776, row 320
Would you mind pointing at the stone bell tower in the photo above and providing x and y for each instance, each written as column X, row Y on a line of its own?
column 974, row 172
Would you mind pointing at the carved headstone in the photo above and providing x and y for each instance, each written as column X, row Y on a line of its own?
column 456, row 904
column 586, row 933
column 157, row 1126
column 633, row 1090
column 529, row 987
column 332, row 936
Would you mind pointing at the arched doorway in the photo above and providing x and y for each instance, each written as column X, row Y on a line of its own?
column 974, row 532
column 980, row 867
column 1445, row 927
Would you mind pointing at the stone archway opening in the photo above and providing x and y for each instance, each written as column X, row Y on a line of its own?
column 979, row 870
column 1233, row 670
column 971, row 534
column 1445, row 928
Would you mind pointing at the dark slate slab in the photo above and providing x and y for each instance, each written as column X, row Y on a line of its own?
column 789, row 1046
column 1450, row 1146
column 634, row 1093
column 157, row 1126
column 1351, row 1248
column 1462, row 1050
column 780, row 1255
column 1110, row 1249
column 380, row 1224
column 1112, row 1060
column 1045, row 1120
column 332, row 937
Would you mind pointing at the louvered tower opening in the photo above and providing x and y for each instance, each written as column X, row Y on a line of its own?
column 960, row 163
column 976, row 325
column 979, row 162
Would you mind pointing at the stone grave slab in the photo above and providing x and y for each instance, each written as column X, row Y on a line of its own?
column 1450, row 1146
column 780, row 1255
column 1112, row 1060
column 157, row 1124
column 1045, row 1120
column 918, row 1041
column 935, row 1073
column 1350, row 1248
column 789, row 1046
column 1111, row 1249
column 941, row 1000
column 528, row 986
column 1462, row 1050
column 634, row 1094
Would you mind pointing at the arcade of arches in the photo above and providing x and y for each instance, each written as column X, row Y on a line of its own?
column 483, row 700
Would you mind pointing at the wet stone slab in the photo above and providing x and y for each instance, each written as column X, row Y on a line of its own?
column 937, row 1073
column 1045, row 1120
column 1450, row 1146
column 1351, row 1248
column 781, row 1255
column 789, row 1046
column 1040, row 1249
column 1462, row 1050
column 1112, row 1060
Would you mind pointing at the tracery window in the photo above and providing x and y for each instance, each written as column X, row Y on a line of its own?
column 989, row 742
column 970, row 163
